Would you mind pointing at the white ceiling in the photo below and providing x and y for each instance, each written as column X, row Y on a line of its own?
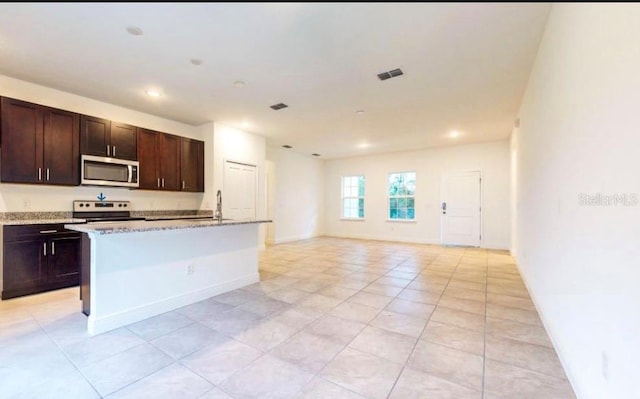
column 466, row 66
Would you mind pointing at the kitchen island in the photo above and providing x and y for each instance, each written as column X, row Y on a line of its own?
column 138, row 269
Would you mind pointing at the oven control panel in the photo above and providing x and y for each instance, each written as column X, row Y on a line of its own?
column 101, row 206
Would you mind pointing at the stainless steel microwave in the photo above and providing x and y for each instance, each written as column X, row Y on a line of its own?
column 104, row 171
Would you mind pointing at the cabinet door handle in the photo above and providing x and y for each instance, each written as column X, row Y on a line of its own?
column 53, row 248
column 48, row 231
column 113, row 150
column 183, row 184
column 163, row 182
column 158, row 182
column 47, row 174
column 39, row 173
column 107, row 150
column 44, row 248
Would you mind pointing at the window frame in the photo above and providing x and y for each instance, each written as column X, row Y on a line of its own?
column 358, row 197
column 405, row 197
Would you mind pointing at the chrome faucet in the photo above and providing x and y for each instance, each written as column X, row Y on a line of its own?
column 218, row 214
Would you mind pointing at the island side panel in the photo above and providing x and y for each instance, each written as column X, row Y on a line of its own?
column 142, row 274
column 85, row 273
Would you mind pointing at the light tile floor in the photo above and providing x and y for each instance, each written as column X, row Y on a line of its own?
column 331, row 318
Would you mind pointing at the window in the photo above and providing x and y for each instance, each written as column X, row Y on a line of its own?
column 353, row 197
column 402, row 188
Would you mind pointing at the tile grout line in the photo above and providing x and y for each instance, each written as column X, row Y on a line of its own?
column 268, row 352
column 346, row 345
column 484, row 335
column 424, row 328
column 66, row 356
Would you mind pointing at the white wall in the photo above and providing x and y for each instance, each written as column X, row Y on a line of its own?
column 28, row 197
column 296, row 195
column 578, row 135
column 430, row 165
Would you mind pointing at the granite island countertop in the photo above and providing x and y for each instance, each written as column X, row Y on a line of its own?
column 102, row 228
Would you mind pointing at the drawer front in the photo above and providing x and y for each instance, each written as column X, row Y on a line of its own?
column 18, row 232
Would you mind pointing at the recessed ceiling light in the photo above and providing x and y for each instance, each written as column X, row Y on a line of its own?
column 286, row 146
column 245, row 124
column 239, row 83
column 135, row 31
column 315, row 155
column 454, row 134
column 196, row 61
column 364, row 145
column 360, row 112
column 153, row 93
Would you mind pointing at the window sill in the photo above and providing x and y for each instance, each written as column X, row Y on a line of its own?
column 401, row 220
column 352, row 219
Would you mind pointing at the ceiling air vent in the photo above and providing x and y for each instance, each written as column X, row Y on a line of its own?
column 391, row 74
column 286, row 146
column 315, row 155
column 278, row 106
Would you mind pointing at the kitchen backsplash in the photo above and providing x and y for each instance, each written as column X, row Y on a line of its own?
column 172, row 212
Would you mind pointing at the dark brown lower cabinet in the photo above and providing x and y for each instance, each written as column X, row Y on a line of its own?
column 39, row 258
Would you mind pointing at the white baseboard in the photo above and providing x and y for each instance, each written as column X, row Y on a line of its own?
column 393, row 238
column 133, row 315
column 495, row 245
column 281, row 240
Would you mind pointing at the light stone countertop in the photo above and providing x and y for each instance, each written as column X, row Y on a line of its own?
column 40, row 221
column 139, row 226
column 64, row 217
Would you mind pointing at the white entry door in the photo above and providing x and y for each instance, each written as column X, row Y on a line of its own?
column 461, row 209
column 239, row 191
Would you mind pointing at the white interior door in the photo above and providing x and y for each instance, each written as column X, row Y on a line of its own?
column 461, row 209
column 239, row 191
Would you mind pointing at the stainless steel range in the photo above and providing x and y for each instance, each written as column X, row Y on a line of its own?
column 103, row 211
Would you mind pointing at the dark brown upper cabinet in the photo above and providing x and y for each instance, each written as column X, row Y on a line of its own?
column 148, row 174
column 124, row 141
column 169, row 162
column 102, row 137
column 191, row 165
column 159, row 157
column 39, row 144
